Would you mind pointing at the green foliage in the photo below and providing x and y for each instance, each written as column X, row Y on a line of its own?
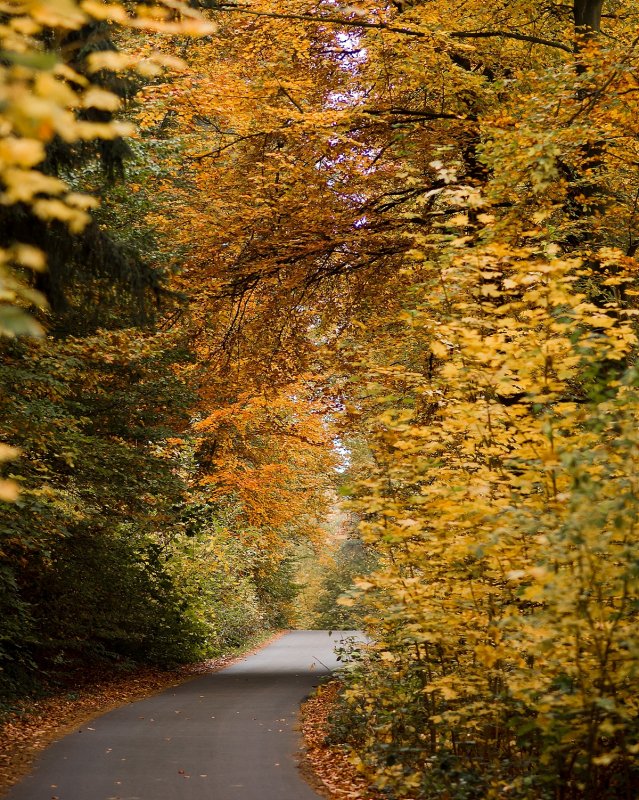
column 226, row 584
column 89, row 417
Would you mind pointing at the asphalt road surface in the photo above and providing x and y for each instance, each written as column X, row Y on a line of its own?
column 230, row 735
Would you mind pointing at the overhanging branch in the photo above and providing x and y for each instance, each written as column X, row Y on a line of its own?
column 521, row 37
column 421, row 34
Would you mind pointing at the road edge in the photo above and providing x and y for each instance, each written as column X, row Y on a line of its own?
column 23, row 737
column 328, row 769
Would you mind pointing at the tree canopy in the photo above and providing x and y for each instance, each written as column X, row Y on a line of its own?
column 389, row 247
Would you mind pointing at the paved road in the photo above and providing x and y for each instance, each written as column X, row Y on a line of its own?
column 226, row 736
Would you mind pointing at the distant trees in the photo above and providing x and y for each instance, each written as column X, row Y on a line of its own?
column 351, row 562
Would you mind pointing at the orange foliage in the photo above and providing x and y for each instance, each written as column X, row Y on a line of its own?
column 273, row 455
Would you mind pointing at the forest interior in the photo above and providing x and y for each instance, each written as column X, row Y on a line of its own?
column 325, row 315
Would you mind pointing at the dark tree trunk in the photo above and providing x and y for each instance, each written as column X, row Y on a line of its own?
column 587, row 15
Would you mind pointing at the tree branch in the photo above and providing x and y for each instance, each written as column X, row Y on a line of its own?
column 419, row 115
column 522, row 37
column 384, row 26
column 216, row 152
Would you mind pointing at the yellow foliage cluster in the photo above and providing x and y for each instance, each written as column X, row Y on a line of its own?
column 504, row 497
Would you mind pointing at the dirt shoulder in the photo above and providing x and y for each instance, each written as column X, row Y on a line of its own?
column 37, row 723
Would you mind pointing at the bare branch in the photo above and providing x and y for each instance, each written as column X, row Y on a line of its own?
column 216, row 152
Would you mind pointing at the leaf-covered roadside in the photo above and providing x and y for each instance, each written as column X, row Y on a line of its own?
column 328, row 766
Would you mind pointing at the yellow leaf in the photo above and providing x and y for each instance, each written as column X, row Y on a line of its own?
column 100, row 98
column 9, row 491
column 21, row 152
column 22, row 185
column 110, row 11
column 29, row 257
column 439, row 349
column 8, row 453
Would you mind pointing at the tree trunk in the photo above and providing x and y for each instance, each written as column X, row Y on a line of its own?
column 587, row 14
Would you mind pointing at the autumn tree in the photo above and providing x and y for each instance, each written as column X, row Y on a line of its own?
column 415, row 226
column 442, row 202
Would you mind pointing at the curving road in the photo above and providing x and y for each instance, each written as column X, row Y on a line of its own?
column 230, row 735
